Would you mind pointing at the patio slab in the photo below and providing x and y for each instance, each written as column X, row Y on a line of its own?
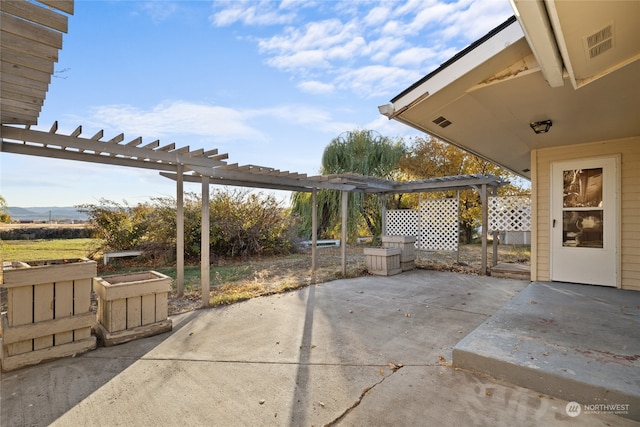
column 577, row 342
column 367, row 351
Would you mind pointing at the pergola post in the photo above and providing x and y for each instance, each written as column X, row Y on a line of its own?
column 458, row 229
column 180, row 230
column 314, row 229
column 204, row 245
column 383, row 214
column 494, row 259
column 343, row 241
column 485, row 224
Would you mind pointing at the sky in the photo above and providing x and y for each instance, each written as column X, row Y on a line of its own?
column 269, row 82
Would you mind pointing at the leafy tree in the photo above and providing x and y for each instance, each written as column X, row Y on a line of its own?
column 120, row 226
column 431, row 158
column 4, row 211
column 364, row 152
column 242, row 223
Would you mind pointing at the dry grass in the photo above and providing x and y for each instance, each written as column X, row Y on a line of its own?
column 268, row 275
column 237, row 280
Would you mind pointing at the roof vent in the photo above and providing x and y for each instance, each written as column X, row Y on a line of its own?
column 442, row 122
column 599, row 42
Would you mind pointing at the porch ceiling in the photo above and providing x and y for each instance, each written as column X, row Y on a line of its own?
column 491, row 101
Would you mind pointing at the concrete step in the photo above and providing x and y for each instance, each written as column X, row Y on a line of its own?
column 576, row 342
column 511, row 271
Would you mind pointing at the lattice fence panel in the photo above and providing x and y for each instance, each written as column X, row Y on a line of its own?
column 439, row 225
column 402, row 222
column 510, row 213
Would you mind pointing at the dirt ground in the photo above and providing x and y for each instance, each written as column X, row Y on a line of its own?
column 280, row 274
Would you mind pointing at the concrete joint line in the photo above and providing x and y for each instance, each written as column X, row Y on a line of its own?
column 359, row 400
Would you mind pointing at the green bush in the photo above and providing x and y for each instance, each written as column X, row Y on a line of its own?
column 244, row 223
column 241, row 224
column 120, row 226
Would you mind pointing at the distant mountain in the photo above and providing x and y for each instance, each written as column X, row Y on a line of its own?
column 55, row 213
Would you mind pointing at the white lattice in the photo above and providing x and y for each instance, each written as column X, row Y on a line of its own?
column 510, row 213
column 402, row 222
column 439, row 225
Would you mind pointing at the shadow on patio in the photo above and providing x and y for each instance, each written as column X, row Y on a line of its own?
column 363, row 351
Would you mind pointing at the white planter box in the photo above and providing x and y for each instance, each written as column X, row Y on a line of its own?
column 132, row 306
column 407, row 244
column 48, row 311
column 383, row 261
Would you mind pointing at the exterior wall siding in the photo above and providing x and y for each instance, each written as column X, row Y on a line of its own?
column 541, row 160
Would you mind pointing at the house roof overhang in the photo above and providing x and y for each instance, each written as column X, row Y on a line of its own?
column 551, row 61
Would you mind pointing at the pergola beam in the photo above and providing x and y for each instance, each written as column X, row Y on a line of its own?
column 237, row 183
column 112, row 147
column 33, row 150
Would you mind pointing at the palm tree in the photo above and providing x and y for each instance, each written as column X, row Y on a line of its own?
column 365, row 152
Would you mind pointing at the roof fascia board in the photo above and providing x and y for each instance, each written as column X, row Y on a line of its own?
column 552, row 12
column 534, row 20
column 470, row 60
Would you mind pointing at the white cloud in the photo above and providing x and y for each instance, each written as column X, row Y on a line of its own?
column 178, row 117
column 249, row 12
column 376, row 80
column 414, row 56
column 382, row 49
column 377, row 15
column 310, row 117
column 316, row 87
column 415, row 35
column 300, row 60
column 159, row 11
column 478, row 19
column 315, row 35
column 208, row 124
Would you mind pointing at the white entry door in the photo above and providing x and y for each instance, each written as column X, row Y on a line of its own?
column 584, row 221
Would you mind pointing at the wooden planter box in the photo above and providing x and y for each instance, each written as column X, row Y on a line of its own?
column 383, row 261
column 408, row 246
column 132, row 306
column 48, row 311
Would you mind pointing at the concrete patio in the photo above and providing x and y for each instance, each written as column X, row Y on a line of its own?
column 370, row 351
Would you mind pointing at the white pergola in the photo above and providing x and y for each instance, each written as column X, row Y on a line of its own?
column 31, row 35
column 209, row 167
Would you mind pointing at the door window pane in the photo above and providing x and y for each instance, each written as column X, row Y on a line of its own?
column 582, row 188
column 582, row 228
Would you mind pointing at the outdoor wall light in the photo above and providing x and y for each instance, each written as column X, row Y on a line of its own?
column 541, row 127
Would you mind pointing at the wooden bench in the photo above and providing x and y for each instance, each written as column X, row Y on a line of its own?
column 120, row 254
column 328, row 243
